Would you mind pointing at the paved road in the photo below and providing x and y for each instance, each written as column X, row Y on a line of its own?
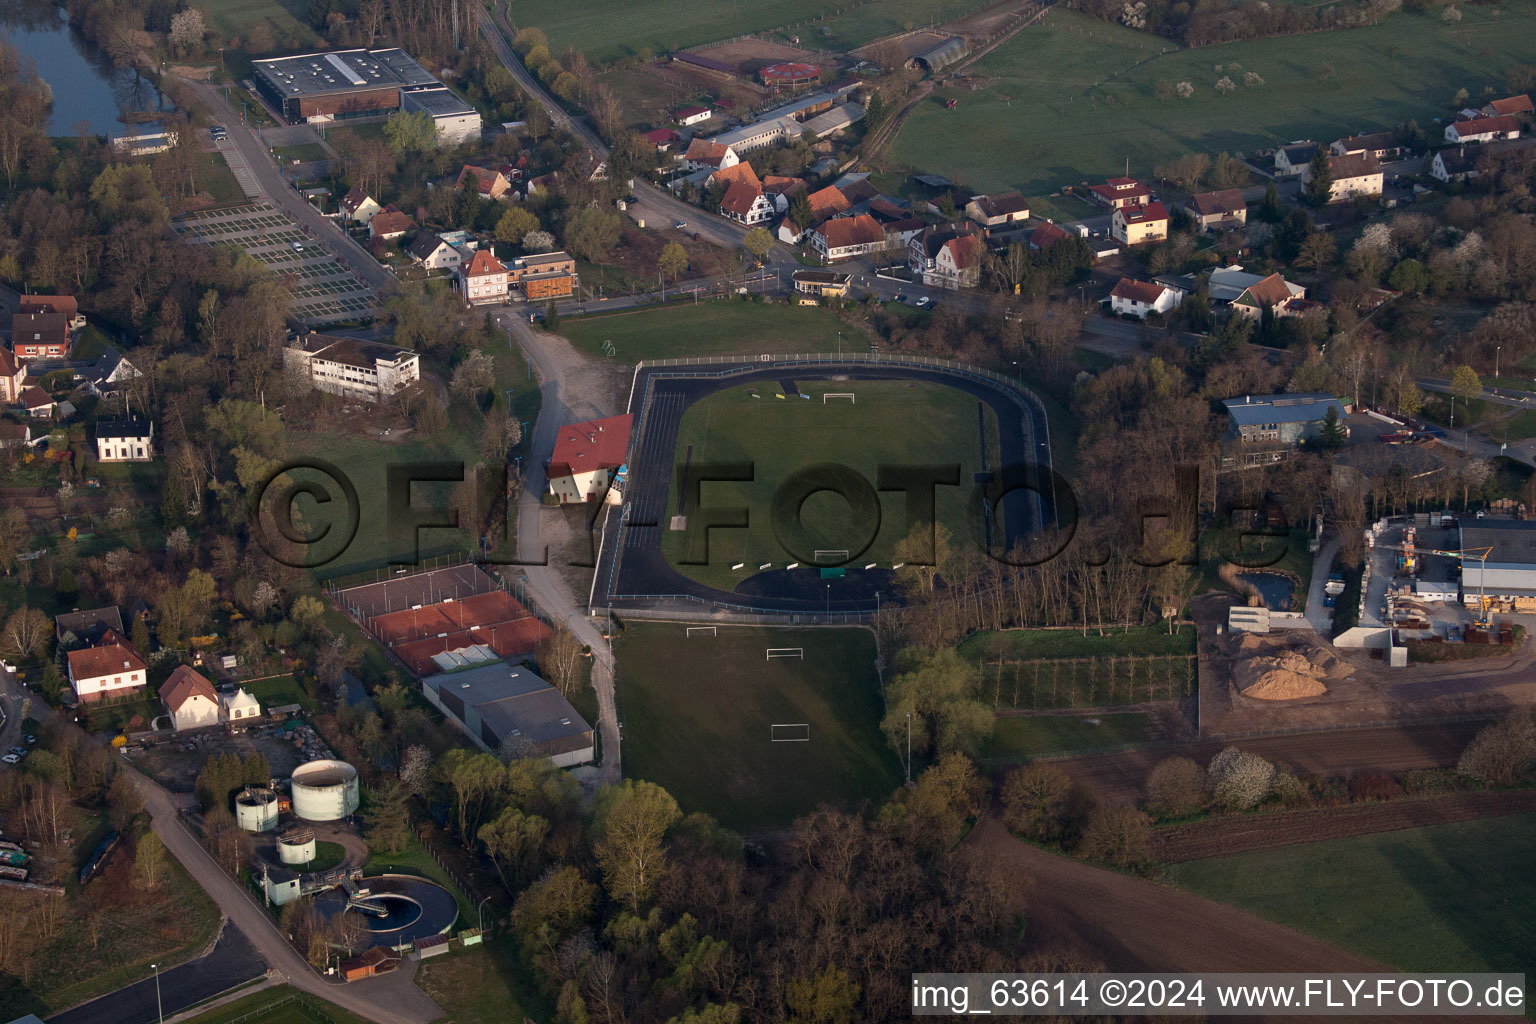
column 390, row 999
column 253, row 153
column 1318, row 615
column 232, row 961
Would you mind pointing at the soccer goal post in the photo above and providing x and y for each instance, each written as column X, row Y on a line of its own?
column 832, row 555
column 839, row 394
column 790, row 732
column 701, row 630
column 785, row 652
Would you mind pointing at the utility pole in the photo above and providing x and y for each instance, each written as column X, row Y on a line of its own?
column 909, row 750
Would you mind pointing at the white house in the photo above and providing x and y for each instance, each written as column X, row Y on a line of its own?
column 111, row 670
column 1351, row 176
column 484, row 279
column 997, row 210
column 239, row 707
column 691, row 115
column 746, row 204
column 192, row 701
column 706, row 155
column 585, row 458
column 130, row 440
column 1141, row 298
column 359, row 207
column 947, row 256
column 1483, row 129
column 351, row 367
column 1454, row 165
column 1293, row 159
column 846, row 237
column 433, row 253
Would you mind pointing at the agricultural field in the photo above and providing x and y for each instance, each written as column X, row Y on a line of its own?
column 237, row 18
column 1019, row 738
column 721, row 327
column 897, row 422
column 1443, row 898
column 610, row 30
column 1070, row 100
column 697, row 714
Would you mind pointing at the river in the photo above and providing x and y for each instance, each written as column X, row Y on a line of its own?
column 86, row 86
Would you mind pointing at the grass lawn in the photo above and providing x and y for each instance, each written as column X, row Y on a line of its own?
column 119, row 717
column 216, row 179
column 893, row 421
column 415, row 860
column 1015, row 739
column 1100, row 79
column 237, row 17
column 486, row 984
column 721, row 327
column 281, row 1004
column 1070, row 643
column 1521, row 425
column 279, row 690
column 607, row 30
column 1444, row 898
column 327, row 856
column 696, row 715
column 1286, row 553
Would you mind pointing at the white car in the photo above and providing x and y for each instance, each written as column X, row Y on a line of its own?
column 10, row 759
column 298, row 246
column 923, row 303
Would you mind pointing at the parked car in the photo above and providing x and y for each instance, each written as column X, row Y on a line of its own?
column 923, row 303
column 30, row 739
column 298, row 246
column 10, row 759
column 900, row 297
column 679, row 224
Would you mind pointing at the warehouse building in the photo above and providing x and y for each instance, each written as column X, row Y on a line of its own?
column 340, row 85
column 499, row 705
column 457, row 122
column 1508, row 573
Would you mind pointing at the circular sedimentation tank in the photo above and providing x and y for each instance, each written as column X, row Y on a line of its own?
column 324, row 790
column 256, row 809
column 296, row 846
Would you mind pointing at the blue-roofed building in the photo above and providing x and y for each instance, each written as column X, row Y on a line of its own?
column 1286, row 419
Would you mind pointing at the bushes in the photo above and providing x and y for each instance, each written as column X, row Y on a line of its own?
column 1239, row 781
column 1368, row 787
column 1175, row 788
column 1504, row 753
column 1291, row 791
column 1119, row 836
column 1432, row 782
column 1036, row 800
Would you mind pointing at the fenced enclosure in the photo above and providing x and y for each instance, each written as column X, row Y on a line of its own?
column 1087, row 682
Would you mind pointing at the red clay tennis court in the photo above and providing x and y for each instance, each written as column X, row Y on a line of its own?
column 507, row 639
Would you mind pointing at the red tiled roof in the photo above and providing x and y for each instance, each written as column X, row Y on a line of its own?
column 354, row 199
column 1226, row 201
column 689, row 111
column 390, row 222
column 735, row 173
column 1353, row 165
column 35, row 398
column 1143, row 214
column 740, row 198
column 1484, row 125
column 704, row 151
column 7, row 363
column 1002, row 204
column 1047, row 235
column 965, row 250
column 781, row 185
column 184, row 684
column 845, row 231
column 1269, row 292
column 64, row 305
column 1123, row 183
column 483, row 178
column 827, row 201
column 660, row 137
column 95, row 662
column 482, row 264
column 1144, row 292
column 592, row 445
column 1520, row 104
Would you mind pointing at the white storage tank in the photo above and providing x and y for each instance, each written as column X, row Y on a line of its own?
column 296, row 846
column 256, row 809
column 324, row 790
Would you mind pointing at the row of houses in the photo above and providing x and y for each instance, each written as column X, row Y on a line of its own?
column 1231, row 289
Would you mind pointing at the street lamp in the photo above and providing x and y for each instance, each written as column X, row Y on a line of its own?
column 1496, row 350
column 159, row 1008
column 829, row 600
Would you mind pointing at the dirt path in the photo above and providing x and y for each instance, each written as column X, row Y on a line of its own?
column 1120, row 776
column 1247, row 833
column 1131, row 924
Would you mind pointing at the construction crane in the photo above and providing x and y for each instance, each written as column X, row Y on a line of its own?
column 1481, row 554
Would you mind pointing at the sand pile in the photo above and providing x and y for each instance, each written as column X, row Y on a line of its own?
column 1283, row 676
column 1329, row 665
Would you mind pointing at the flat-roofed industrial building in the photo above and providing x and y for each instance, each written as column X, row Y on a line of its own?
column 339, row 85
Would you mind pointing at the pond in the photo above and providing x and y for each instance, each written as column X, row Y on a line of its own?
column 1275, row 589
column 87, row 87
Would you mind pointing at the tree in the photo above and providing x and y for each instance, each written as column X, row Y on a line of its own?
column 306, row 612
column 14, row 536
column 1466, row 384
column 757, row 242
column 476, row 373
column 629, row 822
column 560, row 656
column 412, row 132
column 1175, row 787
column 26, row 633
column 186, row 30
column 1319, row 183
column 672, row 261
column 1502, row 754
column 1331, row 436
column 551, row 317
column 830, row 997
column 800, row 212
column 592, row 233
column 1316, row 250
column 1269, row 206
column 149, row 861
column 1409, row 276
column 512, row 841
column 499, row 434
column 940, row 802
column 389, row 819
column 1118, row 835
column 416, row 770
column 515, row 223
column 1035, row 801
column 124, row 802
column 1239, row 780
column 538, row 241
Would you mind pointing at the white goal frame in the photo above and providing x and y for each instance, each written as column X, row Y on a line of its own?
column 784, row 652
column 852, row 398
column 833, row 554
column 773, row 736
column 701, row 630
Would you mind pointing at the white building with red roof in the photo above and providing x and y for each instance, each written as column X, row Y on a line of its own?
column 1483, row 129
column 586, row 457
column 192, row 701
column 1138, row 225
column 483, row 279
column 706, row 155
column 846, row 237
column 110, row 670
column 1117, row 193
column 1141, row 298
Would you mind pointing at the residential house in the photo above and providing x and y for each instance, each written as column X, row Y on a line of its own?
column 389, row 224
column 352, row 367
column 40, row 336
column 1351, row 176
column 811, row 286
column 662, row 138
column 1274, row 293
column 993, row 211
column 37, row 403
column 63, row 305
column 113, row 669
column 781, row 190
column 703, row 155
column 108, row 373
column 125, row 440
column 430, row 251
column 846, row 237
column 1293, row 159
column 484, row 279
column 358, row 206
column 746, row 204
column 827, row 203
column 190, row 699
column 239, row 707
column 586, row 457
column 1141, row 298
column 889, row 208
column 87, row 628
column 490, row 183
column 14, row 435
column 690, row 115
column 947, row 256
column 11, row 373
column 1377, row 145
column 504, row 707
column 732, row 175
column 1219, row 210
column 547, row 275
column 1287, row 419
column 1139, row 225
column 1455, row 164
column 544, row 183
column 1118, row 193
column 1483, row 129
column 899, row 233
column 1047, row 235
column 1512, row 105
